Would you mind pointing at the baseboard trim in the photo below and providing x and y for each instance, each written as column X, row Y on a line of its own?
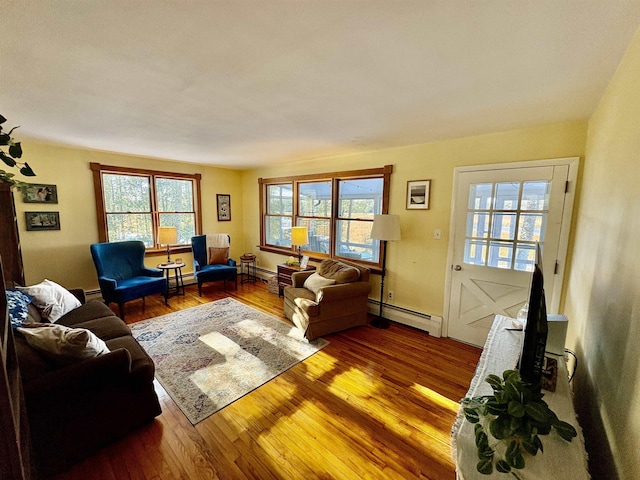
column 432, row 324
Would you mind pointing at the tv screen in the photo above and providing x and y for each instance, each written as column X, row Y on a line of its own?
column 534, row 339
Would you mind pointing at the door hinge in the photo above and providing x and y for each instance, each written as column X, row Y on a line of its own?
column 556, row 268
column 566, row 187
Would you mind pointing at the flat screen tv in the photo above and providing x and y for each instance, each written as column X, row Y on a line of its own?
column 534, row 339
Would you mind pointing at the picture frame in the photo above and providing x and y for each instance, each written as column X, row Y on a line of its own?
column 418, row 194
column 37, row 221
column 304, row 262
column 39, row 193
column 223, row 202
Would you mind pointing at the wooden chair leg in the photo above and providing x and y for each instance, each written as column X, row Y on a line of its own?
column 199, row 288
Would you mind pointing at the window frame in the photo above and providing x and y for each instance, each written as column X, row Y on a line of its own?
column 335, row 178
column 99, row 169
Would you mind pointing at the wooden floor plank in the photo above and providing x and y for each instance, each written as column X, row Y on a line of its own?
column 372, row 404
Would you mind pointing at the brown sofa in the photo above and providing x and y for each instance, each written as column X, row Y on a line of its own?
column 76, row 408
column 331, row 308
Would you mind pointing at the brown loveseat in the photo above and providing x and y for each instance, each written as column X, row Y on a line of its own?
column 76, row 408
column 338, row 302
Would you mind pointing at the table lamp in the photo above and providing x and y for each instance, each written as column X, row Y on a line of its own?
column 299, row 237
column 168, row 236
column 385, row 228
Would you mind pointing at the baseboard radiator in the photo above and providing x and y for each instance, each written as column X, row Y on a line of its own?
column 432, row 324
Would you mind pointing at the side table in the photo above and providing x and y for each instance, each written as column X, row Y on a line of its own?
column 284, row 275
column 178, row 287
column 248, row 262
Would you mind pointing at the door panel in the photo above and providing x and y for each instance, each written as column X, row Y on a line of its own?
column 499, row 216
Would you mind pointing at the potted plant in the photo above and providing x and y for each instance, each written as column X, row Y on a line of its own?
column 10, row 157
column 509, row 423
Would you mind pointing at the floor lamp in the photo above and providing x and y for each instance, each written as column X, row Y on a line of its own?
column 385, row 228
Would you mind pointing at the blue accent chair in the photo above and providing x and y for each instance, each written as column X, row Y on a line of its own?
column 203, row 272
column 122, row 274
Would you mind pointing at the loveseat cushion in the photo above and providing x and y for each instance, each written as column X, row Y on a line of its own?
column 338, row 271
column 91, row 310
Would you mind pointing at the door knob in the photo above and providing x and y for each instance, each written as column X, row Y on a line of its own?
column 457, row 268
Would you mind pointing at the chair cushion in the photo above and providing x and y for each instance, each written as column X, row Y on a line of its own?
column 218, row 255
column 338, row 271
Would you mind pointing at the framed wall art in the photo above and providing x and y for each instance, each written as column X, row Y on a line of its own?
column 42, row 220
column 418, row 194
column 224, row 207
column 40, row 193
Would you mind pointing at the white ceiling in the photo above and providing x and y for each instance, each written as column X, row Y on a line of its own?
column 243, row 83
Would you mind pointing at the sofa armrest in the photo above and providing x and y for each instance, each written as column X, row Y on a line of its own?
column 151, row 272
column 298, row 278
column 80, row 376
column 232, row 262
column 343, row 291
column 196, row 266
column 79, row 294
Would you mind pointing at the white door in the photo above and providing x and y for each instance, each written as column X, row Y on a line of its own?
column 499, row 214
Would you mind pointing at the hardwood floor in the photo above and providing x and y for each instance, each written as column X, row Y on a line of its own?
column 372, row 404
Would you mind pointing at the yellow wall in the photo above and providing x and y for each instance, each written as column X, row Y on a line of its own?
column 603, row 288
column 63, row 256
column 417, row 264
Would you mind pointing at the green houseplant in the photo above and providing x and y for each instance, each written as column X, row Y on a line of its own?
column 509, row 423
column 10, row 157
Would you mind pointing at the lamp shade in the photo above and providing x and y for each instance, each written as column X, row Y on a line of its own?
column 386, row 227
column 299, row 236
column 168, row 236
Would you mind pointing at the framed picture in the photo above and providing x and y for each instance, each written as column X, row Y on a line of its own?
column 418, row 194
column 40, row 193
column 224, row 207
column 304, row 262
column 42, row 220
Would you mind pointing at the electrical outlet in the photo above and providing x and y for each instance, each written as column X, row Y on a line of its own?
column 437, row 234
column 390, row 295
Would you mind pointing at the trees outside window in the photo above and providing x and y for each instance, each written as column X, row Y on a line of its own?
column 132, row 204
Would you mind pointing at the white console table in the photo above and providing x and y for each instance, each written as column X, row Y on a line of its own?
column 560, row 459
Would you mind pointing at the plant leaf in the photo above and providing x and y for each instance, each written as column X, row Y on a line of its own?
column 7, row 159
column 4, row 139
column 471, row 415
column 516, row 409
column 15, row 150
column 495, row 408
column 538, row 411
column 495, row 382
column 503, row 467
column 513, row 455
column 565, row 430
column 2, row 119
column 500, row 427
column 485, row 466
column 530, row 445
column 26, row 171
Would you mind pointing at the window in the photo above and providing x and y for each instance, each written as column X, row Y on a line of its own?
column 133, row 203
column 337, row 209
column 504, row 222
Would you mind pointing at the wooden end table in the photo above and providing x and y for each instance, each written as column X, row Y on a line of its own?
column 284, row 275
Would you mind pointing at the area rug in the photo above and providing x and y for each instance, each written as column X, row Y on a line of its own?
column 209, row 356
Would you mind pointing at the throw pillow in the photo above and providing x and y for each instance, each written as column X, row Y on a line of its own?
column 339, row 271
column 315, row 282
column 218, row 255
column 63, row 342
column 18, row 303
column 51, row 299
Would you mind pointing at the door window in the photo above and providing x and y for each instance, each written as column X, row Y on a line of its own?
column 504, row 222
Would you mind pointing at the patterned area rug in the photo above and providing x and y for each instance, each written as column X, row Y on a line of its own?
column 209, row 356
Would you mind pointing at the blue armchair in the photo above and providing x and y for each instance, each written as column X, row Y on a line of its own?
column 122, row 274
column 203, row 272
